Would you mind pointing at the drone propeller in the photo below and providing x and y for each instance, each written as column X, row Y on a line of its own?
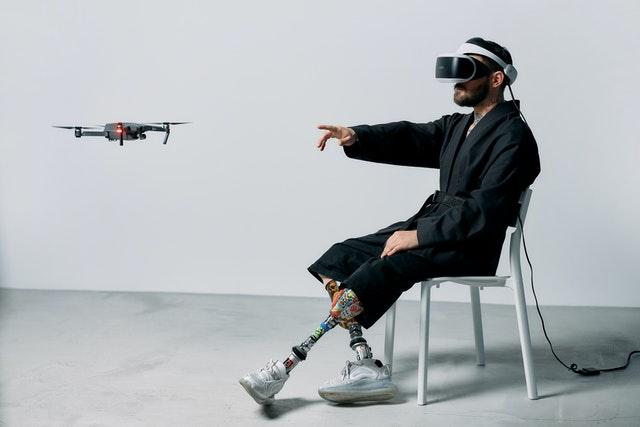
column 77, row 130
column 168, row 123
column 78, row 127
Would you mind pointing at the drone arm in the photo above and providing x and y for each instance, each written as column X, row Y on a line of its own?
column 93, row 133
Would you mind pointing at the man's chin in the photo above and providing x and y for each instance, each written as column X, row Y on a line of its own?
column 462, row 102
column 459, row 96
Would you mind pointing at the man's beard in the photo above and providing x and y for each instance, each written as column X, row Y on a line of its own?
column 471, row 99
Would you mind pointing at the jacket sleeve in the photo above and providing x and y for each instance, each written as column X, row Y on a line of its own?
column 491, row 207
column 400, row 143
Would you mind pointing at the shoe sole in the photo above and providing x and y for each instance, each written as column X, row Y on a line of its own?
column 259, row 399
column 356, row 393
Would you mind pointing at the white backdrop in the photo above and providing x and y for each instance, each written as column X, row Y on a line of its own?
column 240, row 201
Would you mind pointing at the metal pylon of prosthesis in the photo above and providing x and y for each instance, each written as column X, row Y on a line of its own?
column 358, row 343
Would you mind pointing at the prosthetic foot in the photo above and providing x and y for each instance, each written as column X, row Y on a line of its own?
column 263, row 384
column 365, row 380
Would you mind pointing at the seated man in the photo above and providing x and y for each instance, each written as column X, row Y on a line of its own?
column 486, row 159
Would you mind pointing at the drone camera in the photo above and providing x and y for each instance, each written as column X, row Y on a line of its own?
column 77, row 132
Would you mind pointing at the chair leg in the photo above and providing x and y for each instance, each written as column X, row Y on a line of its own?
column 523, row 329
column 425, row 300
column 389, row 335
column 477, row 324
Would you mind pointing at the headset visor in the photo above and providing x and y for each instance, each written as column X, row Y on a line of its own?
column 455, row 68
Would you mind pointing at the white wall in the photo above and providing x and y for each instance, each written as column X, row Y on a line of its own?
column 240, row 201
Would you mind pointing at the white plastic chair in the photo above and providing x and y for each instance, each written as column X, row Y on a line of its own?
column 475, row 283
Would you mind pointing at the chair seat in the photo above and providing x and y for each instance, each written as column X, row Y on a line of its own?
column 471, row 280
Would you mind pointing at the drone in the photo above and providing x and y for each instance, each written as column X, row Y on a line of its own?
column 124, row 131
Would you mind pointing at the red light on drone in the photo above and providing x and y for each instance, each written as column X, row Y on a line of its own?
column 119, row 130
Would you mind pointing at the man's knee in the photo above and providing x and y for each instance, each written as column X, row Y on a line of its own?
column 325, row 279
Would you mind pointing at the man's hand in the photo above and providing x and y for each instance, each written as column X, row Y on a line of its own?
column 400, row 241
column 346, row 136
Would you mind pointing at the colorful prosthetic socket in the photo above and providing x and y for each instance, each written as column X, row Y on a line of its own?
column 332, row 288
column 346, row 305
column 358, row 343
column 299, row 352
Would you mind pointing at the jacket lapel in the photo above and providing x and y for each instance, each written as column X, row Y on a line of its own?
column 486, row 124
column 457, row 137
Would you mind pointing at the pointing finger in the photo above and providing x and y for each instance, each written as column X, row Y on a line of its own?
column 328, row 127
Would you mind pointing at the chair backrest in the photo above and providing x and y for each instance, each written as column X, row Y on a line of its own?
column 516, row 235
column 523, row 207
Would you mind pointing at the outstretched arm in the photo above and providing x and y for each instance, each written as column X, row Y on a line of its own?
column 398, row 143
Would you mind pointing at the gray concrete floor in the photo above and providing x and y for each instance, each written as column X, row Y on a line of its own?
column 157, row 359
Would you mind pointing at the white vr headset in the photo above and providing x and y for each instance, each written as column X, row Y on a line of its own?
column 459, row 67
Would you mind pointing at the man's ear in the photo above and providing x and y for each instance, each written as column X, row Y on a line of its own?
column 497, row 78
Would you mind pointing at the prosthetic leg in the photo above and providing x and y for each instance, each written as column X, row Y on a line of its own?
column 358, row 343
column 366, row 379
column 263, row 384
column 299, row 352
column 344, row 308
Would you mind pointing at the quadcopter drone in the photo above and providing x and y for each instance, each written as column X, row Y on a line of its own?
column 123, row 131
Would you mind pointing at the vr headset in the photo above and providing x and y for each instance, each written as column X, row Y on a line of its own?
column 459, row 67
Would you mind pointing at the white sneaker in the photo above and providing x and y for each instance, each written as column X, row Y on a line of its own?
column 262, row 384
column 364, row 380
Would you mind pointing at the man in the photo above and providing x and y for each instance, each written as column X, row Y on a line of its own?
column 486, row 159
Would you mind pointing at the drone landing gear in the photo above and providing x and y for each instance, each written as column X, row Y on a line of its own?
column 120, row 132
column 168, row 131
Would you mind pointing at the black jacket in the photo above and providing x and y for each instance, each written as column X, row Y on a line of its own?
column 486, row 171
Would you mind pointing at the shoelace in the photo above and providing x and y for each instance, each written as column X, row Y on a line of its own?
column 267, row 372
column 346, row 371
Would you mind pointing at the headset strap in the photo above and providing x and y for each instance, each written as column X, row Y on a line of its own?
column 472, row 48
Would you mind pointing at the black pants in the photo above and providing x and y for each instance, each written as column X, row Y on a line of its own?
column 378, row 282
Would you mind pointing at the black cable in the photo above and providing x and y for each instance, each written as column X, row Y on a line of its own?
column 573, row 367
column 623, row 366
column 513, row 99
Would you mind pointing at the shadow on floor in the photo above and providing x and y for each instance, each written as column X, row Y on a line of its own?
column 504, row 364
column 281, row 407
